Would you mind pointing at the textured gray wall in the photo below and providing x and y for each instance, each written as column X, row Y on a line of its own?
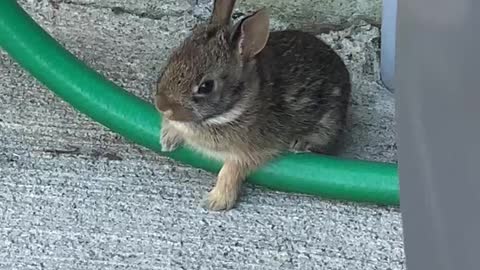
column 304, row 13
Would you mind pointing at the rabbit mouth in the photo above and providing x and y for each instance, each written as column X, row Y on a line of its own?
column 174, row 112
column 179, row 115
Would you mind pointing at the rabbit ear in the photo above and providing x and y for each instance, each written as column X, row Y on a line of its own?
column 250, row 35
column 222, row 12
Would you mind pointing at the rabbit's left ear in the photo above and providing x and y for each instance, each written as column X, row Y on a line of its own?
column 222, row 12
column 250, row 34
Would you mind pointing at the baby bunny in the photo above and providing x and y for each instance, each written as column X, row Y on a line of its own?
column 243, row 95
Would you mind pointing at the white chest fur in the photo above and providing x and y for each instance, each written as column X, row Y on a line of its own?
column 202, row 143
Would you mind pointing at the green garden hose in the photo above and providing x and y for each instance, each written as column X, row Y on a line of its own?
column 137, row 120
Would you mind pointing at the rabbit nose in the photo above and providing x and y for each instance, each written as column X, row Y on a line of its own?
column 161, row 103
column 172, row 111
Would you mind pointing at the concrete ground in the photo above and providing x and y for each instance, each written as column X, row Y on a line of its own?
column 73, row 195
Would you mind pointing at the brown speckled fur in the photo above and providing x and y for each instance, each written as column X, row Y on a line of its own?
column 293, row 95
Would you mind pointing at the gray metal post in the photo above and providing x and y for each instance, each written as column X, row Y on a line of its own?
column 438, row 110
column 388, row 35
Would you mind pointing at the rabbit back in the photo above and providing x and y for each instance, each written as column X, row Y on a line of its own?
column 308, row 88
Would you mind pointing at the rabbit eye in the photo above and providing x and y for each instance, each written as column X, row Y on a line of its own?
column 206, row 87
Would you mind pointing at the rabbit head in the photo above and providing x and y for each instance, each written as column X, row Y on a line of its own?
column 210, row 76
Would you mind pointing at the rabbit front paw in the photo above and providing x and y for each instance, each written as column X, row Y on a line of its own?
column 170, row 139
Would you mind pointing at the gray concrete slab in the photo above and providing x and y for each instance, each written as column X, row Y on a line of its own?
column 73, row 195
